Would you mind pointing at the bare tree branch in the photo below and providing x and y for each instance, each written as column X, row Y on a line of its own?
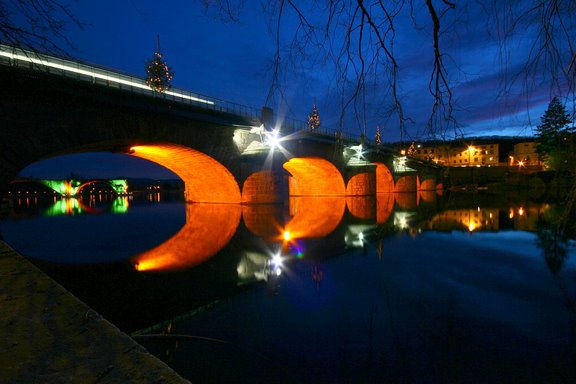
column 36, row 24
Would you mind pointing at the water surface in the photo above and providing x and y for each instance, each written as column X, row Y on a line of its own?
column 404, row 288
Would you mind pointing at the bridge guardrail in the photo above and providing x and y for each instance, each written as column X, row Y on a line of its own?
column 17, row 57
column 293, row 125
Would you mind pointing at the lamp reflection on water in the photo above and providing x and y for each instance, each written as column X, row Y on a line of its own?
column 64, row 206
column 311, row 217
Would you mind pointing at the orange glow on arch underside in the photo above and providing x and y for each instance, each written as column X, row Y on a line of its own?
column 314, row 177
column 384, row 179
column 208, row 228
column 206, row 180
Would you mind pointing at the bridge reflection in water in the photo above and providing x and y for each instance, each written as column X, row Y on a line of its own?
column 209, row 227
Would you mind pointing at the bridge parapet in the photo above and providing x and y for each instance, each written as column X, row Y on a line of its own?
column 16, row 57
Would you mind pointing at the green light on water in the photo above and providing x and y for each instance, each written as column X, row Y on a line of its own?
column 120, row 205
column 68, row 206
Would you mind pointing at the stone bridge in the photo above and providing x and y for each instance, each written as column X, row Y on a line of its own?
column 224, row 152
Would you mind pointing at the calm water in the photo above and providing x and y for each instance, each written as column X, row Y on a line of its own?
column 406, row 288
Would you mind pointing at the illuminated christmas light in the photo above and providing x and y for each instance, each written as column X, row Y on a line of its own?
column 159, row 75
column 314, row 118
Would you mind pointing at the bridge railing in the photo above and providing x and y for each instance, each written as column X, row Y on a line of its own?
column 20, row 58
column 16, row 57
column 293, row 125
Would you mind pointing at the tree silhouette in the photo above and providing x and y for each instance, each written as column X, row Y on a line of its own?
column 553, row 133
column 553, row 128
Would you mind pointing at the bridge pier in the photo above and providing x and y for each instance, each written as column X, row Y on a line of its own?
column 265, row 186
column 360, row 180
column 426, row 183
column 406, row 182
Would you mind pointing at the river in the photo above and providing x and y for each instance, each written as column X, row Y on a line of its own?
column 394, row 288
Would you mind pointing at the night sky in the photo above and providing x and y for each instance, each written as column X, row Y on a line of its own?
column 233, row 60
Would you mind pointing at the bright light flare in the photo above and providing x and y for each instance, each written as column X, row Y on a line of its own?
column 277, row 260
column 272, row 139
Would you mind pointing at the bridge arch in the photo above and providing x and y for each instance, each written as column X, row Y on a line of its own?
column 314, row 176
column 384, row 179
column 205, row 179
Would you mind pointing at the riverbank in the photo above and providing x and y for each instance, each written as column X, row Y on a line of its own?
column 49, row 336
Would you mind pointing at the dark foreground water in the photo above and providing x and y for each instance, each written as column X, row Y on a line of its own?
column 398, row 289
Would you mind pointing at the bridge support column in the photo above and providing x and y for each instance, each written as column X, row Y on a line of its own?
column 426, row 183
column 361, row 181
column 265, row 187
column 406, row 183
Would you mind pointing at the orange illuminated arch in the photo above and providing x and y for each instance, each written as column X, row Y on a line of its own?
column 384, row 179
column 314, row 216
column 314, row 176
column 208, row 228
column 205, row 179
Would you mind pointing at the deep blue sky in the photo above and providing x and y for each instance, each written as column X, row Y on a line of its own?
column 232, row 61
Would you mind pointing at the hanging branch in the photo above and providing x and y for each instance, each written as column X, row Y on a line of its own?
column 37, row 25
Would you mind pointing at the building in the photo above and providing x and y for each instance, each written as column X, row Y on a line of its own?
column 482, row 155
column 525, row 154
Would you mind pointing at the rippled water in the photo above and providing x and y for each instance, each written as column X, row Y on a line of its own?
column 398, row 288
